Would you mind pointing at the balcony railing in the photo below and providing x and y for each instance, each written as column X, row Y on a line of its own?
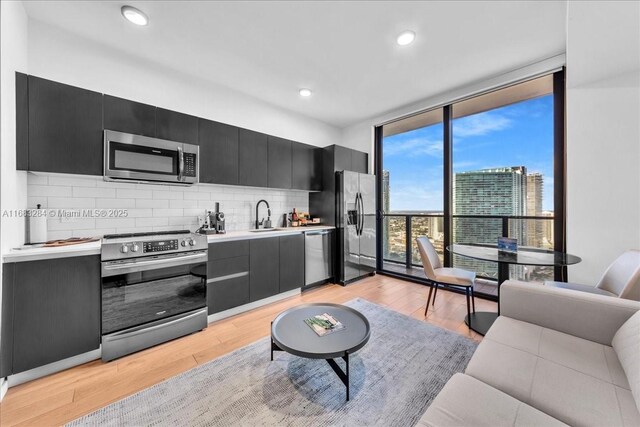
column 400, row 231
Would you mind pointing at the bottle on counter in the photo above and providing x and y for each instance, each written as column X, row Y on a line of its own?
column 294, row 218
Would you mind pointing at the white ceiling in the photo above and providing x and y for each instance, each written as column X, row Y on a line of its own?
column 344, row 51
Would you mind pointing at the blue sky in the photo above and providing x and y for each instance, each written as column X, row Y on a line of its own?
column 516, row 135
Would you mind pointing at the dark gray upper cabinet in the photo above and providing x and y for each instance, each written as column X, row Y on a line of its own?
column 291, row 262
column 127, row 116
column 252, row 158
column 57, row 310
column 22, row 122
column 264, row 268
column 306, row 167
column 65, row 128
column 279, row 162
column 359, row 161
column 341, row 158
column 218, row 152
column 176, row 126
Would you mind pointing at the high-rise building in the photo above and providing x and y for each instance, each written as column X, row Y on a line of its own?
column 534, row 236
column 498, row 191
column 385, row 208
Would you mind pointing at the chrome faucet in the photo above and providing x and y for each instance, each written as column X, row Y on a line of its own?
column 267, row 224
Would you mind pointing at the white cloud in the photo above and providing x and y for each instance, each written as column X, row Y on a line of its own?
column 480, row 124
column 414, row 147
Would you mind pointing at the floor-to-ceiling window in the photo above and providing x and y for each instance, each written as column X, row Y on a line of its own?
column 498, row 180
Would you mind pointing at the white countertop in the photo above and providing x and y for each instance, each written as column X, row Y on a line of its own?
column 247, row 234
column 28, row 253
column 34, row 253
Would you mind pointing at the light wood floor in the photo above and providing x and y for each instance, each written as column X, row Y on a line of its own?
column 62, row 397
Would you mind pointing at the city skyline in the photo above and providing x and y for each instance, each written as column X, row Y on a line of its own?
column 516, row 134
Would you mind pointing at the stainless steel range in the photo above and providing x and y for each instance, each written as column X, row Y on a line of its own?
column 153, row 289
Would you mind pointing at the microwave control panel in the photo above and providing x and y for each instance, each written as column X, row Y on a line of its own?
column 160, row 246
column 189, row 164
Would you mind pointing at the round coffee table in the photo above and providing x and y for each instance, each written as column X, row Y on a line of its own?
column 290, row 333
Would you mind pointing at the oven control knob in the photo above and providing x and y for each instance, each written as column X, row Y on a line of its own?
column 192, row 242
column 124, row 249
column 183, row 243
column 135, row 248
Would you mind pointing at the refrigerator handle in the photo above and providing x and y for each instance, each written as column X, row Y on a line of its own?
column 357, row 214
column 360, row 214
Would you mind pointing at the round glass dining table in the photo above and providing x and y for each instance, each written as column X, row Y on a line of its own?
column 481, row 321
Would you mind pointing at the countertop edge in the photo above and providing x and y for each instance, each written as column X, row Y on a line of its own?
column 248, row 235
column 37, row 254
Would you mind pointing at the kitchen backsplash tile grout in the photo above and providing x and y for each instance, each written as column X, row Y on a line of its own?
column 150, row 207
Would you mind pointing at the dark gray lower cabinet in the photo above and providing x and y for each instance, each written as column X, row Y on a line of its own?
column 264, row 269
column 245, row 271
column 227, row 275
column 54, row 307
column 228, row 293
column 291, row 262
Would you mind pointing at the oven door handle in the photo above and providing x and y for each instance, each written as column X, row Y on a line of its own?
column 113, row 269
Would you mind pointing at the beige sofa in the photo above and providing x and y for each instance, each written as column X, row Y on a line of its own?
column 553, row 357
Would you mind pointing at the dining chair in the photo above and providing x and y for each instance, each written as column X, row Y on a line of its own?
column 445, row 276
column 620, row 280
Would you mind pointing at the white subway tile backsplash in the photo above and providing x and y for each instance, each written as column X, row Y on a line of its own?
column 73, row 181
column 115, row 222
column 93, row 192
column 166, row 194
column 115, row 203
column 69, row 202
column 134, row 194
column 197, row 196
column 148, row 203
column 139, row 213
column 187, row 204
column 36, row 179
column 168, row 212
column 151, row 207
column 49, row 191
column 152, row 222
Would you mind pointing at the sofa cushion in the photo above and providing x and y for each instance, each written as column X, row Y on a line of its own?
column 574, row 380
column 626, row 343
column 465, row 401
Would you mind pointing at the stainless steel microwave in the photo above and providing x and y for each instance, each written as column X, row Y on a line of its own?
column 140, row 158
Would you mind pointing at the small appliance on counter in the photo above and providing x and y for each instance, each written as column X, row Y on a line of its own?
column 37, row 220
column 213, row 222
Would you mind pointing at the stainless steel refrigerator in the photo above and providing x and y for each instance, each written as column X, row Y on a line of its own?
column 356, row 195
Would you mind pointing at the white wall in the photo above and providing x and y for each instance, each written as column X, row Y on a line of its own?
column 13, row 184
column 58, row 55
column 603, row 134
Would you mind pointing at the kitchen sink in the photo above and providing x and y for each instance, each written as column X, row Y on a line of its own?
column 264, row 230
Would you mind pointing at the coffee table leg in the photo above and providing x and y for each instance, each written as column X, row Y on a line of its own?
column 344, row 376
column 346, row 359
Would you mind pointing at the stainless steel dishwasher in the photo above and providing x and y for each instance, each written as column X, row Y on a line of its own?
column 318, row 267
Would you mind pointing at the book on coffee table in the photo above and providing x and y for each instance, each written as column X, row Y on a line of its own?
column 324, row 324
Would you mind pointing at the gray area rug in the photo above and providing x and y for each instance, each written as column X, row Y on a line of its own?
column 394, row 378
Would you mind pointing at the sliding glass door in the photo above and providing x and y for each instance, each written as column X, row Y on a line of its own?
column 472, row 171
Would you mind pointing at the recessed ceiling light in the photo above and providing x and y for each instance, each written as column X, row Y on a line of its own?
column 134, row 15
column 305, row 92
column 406, row 37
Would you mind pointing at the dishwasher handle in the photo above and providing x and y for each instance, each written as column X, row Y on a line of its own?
column 317, row 233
